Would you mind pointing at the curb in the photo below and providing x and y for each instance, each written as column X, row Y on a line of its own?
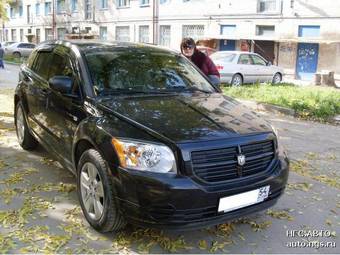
column 268, row 107
column 279, row 109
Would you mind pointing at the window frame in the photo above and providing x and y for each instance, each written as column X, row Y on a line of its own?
column 120, row 5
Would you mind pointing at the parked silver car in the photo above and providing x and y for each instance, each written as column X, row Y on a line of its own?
column 20, row 49
column 4, row 45
column 239, row 67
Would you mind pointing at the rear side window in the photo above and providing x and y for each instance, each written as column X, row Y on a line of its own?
column 42, row 63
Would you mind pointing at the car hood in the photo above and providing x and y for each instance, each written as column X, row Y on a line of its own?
column 188, row 117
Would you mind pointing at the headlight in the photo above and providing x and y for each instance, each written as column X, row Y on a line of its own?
column 144, row 156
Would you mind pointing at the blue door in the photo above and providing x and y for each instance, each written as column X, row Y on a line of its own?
column 307, row 60
column 227, row 45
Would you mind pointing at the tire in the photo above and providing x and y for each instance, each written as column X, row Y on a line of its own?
column 237, row 80
column 17, row 55
column 96, row 193
column 25, row 138
column 277, row 78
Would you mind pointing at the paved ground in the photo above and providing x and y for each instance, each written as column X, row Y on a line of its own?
column 39, row 209
column 9, row 76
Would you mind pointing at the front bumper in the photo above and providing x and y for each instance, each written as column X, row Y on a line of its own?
column 181, row 203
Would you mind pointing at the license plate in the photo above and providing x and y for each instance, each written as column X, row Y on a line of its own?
column 238, row 201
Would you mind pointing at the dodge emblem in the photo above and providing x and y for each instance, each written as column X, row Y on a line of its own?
column 241, row 159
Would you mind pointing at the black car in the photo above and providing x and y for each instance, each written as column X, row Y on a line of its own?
column 149, row 139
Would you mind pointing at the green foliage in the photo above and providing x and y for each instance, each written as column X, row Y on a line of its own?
column 3, row 12
column 14, row 60
column 318, row 103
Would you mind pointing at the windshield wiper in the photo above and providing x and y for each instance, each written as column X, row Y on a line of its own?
column 194, row 88
column 132, row 91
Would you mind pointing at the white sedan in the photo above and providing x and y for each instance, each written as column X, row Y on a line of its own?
column 239, row 67
column 20, row 49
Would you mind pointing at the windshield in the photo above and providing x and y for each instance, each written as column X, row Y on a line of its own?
column 143, row 71
column 225, row 57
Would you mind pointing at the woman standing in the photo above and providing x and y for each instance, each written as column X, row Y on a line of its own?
column 203, row 62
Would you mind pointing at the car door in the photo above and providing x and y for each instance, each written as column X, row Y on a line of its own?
column 35, row 79
column 264, row 71
column 22, row 49
column 64, row 112
column 246, row 68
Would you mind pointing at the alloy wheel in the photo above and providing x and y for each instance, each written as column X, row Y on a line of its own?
column 92, row 191
column 20, row 125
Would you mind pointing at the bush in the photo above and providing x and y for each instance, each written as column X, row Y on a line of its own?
column 318, row 103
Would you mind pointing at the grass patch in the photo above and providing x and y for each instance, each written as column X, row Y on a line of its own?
column 12, row 59
column 317, row 103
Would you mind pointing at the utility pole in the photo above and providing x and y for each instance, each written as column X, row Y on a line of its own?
column 53, row 20
column 155, row 17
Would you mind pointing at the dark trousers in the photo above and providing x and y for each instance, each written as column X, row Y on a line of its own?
column 2, row 64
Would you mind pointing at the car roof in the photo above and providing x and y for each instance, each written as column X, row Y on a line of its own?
column 235, row 52
column 88, row 46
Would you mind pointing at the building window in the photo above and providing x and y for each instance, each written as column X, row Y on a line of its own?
column 60, row 6
column 12, row 12
column 267, row 6
column 123, row 3
column 21, row 35
column 144, row 2
column 37, row 9
column 123, row 34
column 196, row 32
column 21, row 10
column 144, row 34
column 37, row 33
column 228, row 29
column 48, row 8
column 103, row 33
column 61, row 33
column 265, row 30
column 103, row 4
column 309, row 31
column 164, row 35
column 74, row 5
column 88, row 9
column 48, row 34
column 14, row 35
column 163, row 1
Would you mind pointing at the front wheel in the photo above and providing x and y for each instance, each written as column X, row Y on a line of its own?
column 97, row 194
column 277, row 78
column 25, row 138
column 236, row 80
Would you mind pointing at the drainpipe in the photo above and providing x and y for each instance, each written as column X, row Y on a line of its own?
column 155, row 16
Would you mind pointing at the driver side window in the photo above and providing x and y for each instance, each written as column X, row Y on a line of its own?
column 258, row 61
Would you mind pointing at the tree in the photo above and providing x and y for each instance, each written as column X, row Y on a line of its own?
column 3, row 12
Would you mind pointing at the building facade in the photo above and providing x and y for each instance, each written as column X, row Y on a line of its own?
column 302, row 36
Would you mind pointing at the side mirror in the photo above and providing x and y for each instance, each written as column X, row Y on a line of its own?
column 269, row 63
column 62, row 84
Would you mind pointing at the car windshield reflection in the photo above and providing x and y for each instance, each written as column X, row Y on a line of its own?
column 138, row 71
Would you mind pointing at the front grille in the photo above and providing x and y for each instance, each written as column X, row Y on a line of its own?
column 221, row 164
